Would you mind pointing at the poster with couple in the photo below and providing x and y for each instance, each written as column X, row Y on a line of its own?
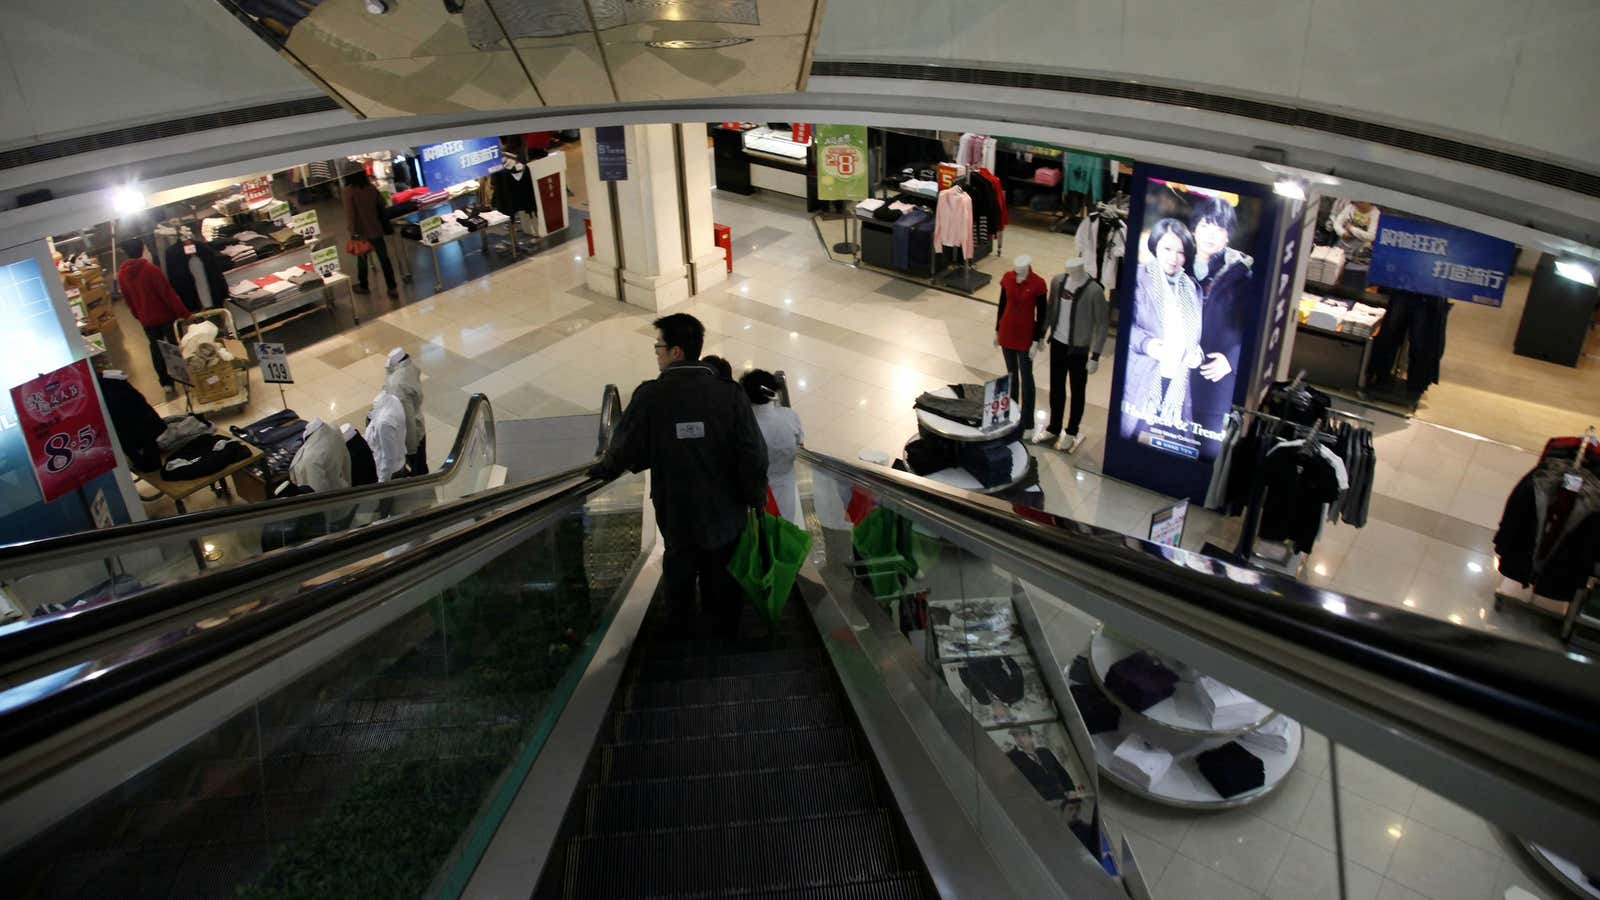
column 1191, row 308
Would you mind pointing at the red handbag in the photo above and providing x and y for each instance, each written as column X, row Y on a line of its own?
column 357, row 247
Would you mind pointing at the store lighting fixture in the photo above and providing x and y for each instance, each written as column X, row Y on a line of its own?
column 127, row 200
column 1475, row 568
column 1575, row 271
column 1290, row 188
column 700, row 43
column 1455, row 618
column 211, row 552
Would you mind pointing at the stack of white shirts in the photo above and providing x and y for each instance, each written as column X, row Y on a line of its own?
column 1272, row 737
column 869, row 206
column 1227, row 707
column 1363, row 319
column 925, row 188
column 1140, row 761
column 1328, row 314
column 1326, row 265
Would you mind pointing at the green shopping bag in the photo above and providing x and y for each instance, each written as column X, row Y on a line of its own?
column 882, row 541
column 767, row 560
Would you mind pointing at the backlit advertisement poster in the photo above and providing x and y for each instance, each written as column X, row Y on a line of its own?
column 842, row 162
column 453, row 162
column 1190, row 305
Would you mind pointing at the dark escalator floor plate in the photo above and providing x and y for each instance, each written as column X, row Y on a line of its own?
column 904, row 887
column 769, row 663
column 730, row 689
column 813, row 853
column 731, row 799
column 740, row 753
column 786, row 714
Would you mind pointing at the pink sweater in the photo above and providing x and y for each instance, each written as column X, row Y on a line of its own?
column 952, row 221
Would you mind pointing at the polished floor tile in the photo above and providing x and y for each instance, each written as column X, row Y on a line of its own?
column 1441, row 867
column 1309, row 872
column 1193, row 881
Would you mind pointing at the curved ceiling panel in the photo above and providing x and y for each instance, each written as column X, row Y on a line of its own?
column 432, row 56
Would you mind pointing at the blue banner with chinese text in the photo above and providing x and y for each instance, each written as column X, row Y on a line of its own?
column 1440, row 260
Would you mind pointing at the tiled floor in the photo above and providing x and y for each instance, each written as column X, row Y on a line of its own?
column 858, row 347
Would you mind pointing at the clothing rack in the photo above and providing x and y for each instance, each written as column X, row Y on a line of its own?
column 965, row 278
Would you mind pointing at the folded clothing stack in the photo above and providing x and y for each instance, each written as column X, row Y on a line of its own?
column 279, row 435
column 408, row 194
column 432, row 199
column 1232, row 769
column 926, row 188
column 1099, row 713
column 1228, row 708
column 965, row 408
column 987, row 461
column 1141, row 681
column 929, row 453
column 1140, row 761
column 202, row 456
column 1272, row 737
column 869, row 206
column 1362, row 319
column 890, row 213
column 1326, row 265
column 239, row 254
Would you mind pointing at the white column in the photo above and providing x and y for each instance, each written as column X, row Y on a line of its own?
column 650, row 219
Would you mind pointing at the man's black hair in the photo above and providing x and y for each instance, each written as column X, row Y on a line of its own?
column 684, row 331
column 1215, row 210
column 132, row 248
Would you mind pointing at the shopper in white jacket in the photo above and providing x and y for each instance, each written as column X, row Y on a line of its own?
column 322, row 463
column 780, row 428
column 404, row 380
column 386, row 435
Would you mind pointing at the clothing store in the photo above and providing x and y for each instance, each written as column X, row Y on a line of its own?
column 1420, row 318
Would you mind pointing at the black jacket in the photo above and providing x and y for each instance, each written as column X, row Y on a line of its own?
column 137, row 424
column 183, row 280
column 708, row 462
column 363, row 468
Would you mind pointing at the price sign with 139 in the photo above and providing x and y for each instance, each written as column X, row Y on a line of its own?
column 274, row 363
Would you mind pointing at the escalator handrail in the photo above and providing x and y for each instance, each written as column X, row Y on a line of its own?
column 1546, row 693
column 23, row 643
column 25, row 557
column 94, row 685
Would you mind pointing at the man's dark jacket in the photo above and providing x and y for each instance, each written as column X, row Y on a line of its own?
column 708, row 462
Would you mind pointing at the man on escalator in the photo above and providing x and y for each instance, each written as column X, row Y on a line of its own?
column 696, row 434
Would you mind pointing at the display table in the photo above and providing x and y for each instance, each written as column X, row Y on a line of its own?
column 1021, row 487
column 449, row 235
column 1180, row 726
column 960, row 432
column 177, row 491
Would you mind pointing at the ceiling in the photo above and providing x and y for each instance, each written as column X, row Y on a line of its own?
column 424, row 57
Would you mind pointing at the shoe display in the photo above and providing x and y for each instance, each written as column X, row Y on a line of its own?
column 1044, row 437
column 1069, row 443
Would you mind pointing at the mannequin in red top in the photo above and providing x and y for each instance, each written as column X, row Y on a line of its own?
column 1019, row 329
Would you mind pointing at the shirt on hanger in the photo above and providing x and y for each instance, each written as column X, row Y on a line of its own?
column 1298, row 484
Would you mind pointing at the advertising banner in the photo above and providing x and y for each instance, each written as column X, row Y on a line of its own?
column 67, row 438
column 453, row 162
column 842, row 162
column 1191, row 299
column 611, row 152
column 1440, row 260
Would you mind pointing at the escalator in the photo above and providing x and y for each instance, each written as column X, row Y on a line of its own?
column 490, row 702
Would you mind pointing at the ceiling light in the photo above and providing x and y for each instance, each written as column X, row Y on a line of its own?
column 1575, row 271
column 127, row 200
column 1454, row 618
column 377, row 7
column 1475, row 567
column 700, row 44
column 1290, row 188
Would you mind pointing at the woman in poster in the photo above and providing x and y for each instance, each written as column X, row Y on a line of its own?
column 1164, row 342
column 1223, row 275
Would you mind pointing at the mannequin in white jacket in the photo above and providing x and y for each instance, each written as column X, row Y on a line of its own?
column 386, row 435
column 404, row 380
column 322, row 463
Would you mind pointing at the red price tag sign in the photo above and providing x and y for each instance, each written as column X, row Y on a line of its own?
column 67, row 438
column 800, row 132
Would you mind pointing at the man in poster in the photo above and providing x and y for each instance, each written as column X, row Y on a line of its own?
column 1223, row 275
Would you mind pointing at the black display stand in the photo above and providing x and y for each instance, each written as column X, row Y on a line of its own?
column 1558, row 315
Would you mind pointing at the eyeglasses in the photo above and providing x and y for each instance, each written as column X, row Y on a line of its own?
column 660, row 346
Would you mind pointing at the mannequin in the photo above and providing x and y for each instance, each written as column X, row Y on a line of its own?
column 1078, row 319
column 137, row 424
column 386, row 435
column 321, row 464
column 513, row 187
column 1019, row 330
column 404, row 380
column 1101, row 240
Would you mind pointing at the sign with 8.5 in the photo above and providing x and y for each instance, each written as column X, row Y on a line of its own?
column 274, row 363
column 64, row 429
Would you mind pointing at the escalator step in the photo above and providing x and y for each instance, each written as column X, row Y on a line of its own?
column 902, row 887
column 732, row 689
column 815, row 853
column 661, row 647
column 717, row 755
column 767, row 663
column 785, row 714
column 730, row 799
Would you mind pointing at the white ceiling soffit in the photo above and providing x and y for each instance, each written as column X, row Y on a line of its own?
column 430, row 57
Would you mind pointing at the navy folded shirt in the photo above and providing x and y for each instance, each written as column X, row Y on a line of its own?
column 1141, row 681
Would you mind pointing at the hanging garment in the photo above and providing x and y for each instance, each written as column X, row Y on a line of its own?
column 1085, row 174
column 998, row 195
column 1102, row 240
column 196, row 288
column 1021, row 319
column 1298, row 482
column 386, row 435
column 1549, row 534
column 322, row 463
column 514, row 192
column 953, row 221
column 137, row 425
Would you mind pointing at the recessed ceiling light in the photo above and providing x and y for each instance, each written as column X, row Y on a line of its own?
column 700, row 43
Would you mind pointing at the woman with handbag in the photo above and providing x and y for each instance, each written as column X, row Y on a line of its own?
column 363, row 212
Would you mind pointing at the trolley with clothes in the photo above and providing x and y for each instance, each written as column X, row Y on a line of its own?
column 218, row 370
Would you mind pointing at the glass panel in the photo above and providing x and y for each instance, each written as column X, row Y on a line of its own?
column 162, row 561
column 380, row 773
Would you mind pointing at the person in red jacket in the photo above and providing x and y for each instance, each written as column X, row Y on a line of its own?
column 153, row 301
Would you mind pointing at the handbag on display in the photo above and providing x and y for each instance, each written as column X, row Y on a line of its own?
column 358, row 247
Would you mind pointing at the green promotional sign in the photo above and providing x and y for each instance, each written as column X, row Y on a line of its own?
column 842, row 162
